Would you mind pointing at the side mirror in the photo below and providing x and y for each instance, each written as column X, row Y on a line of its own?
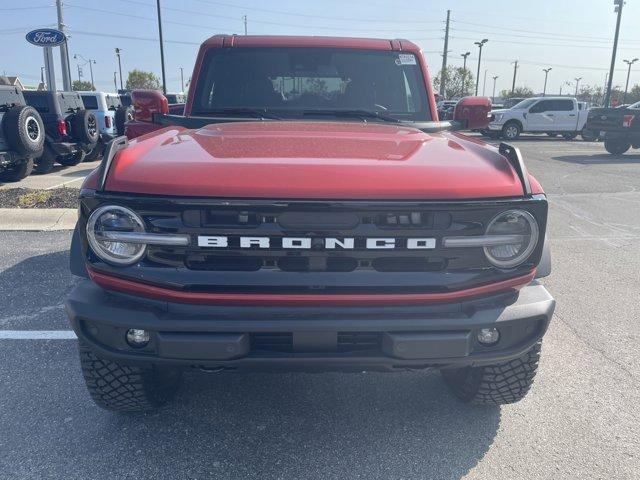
column 146, row 103
column 472, row 113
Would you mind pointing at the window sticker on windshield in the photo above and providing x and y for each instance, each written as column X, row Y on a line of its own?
column 405, row 59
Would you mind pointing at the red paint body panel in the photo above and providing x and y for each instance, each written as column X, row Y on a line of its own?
column 475, row 110
column 313, row 160
column 109, row 282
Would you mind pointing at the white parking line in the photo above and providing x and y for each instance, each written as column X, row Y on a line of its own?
column 37, row 335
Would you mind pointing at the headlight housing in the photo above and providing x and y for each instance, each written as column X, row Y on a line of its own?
column 516, row 233
column 497, row 117
column 114, row 218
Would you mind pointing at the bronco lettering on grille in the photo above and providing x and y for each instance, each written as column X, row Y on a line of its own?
column 305, row 243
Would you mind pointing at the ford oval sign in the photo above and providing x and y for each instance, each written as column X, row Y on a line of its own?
column 46, row 37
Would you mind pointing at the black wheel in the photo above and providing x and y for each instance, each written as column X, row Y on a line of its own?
column 15, row 173
column 495, row 384
column 71, row 159
column 588, row 135
column 124, row 388
column 511, row 131
column 616, row 147
column 24, row 130
column 84, row 127
column 569, row 136
column 123, row 115
column 44, row 163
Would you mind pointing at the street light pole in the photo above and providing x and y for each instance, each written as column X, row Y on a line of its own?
column 164, row 83
column 618, row 9
column 577, row 83
column 546, row 73
column 480, row 44
column 626, row 87
column 484, row 83
column 493, row 97
column 115, row 82
column 182, row 79
column 118, row 52
column 464, row 72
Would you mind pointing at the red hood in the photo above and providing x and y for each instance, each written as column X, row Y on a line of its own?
column 312, row 160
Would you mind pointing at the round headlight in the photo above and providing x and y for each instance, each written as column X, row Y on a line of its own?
column 113, row 218
column 517, row 234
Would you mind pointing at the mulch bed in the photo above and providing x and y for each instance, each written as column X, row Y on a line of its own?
column 33, row 198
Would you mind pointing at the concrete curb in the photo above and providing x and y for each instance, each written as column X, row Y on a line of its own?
column 38, row 219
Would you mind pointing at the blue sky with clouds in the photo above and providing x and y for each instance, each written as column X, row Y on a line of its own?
column 573, row 37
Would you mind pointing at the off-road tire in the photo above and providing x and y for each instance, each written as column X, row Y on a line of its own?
column 44, row 163
column 84, row 127
column 589, row 135
column 569, row 136
column 123, row 115
column 71, row 159
column 24, row 130
column 511, row 130
column 616, row 147
column 15, row 173
column 95, row 153
column 495, row 384
column 125, row 388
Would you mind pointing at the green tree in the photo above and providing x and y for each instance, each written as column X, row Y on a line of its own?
column 139, row 79
column 81, row 85
column 458, row 82
column 523, row 92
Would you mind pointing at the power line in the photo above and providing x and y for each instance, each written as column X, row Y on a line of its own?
column 512, row 42
column 306, row 15
column 537, row 37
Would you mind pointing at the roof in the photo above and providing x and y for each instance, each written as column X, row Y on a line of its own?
column 309, row 41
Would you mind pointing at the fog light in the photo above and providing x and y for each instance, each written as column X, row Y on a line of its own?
column 137, row 338
column 488, row 336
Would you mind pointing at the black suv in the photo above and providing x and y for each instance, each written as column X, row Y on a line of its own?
column 21, row 135
column 71, row 131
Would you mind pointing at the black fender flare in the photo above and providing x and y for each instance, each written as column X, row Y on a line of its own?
column 76, row 258
column 544, row 266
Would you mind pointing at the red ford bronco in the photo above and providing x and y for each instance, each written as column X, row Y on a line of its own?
column 308, row 212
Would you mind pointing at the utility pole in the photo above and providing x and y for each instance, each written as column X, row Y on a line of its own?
column 480, row 44
column 64, row 51
column 182, row 79
column 115, row 82
column 118, row 52
column 626, row 87
column 90, row 62
column 244, row 19
column 444, row 56
column 577, row 82
column 164, row 82
column 493, row 97
column 618, row 9
column 515, row 71
column 464, row 72
column 79, row 72
column 546, row 74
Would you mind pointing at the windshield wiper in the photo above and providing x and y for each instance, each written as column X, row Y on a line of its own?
column 235, row 111
column 364, row 115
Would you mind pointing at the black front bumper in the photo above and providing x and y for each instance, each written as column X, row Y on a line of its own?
column 309, row 338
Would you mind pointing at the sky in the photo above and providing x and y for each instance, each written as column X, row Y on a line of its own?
column 573, row 37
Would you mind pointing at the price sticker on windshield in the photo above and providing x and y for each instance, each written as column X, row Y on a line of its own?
column 406, row 59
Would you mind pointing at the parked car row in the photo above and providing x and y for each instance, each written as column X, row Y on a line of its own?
column 42, row 128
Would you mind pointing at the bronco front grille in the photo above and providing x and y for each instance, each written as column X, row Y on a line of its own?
column 317, row 268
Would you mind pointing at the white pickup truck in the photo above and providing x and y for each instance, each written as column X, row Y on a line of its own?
column 551, row 115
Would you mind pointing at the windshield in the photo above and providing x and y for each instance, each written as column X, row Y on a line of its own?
column 292, row 82
column 525, row 103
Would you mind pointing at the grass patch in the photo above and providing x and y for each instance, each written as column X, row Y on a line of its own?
column 34, row 199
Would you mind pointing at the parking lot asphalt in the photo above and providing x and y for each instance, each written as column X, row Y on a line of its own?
column 580, row 421
column 59, row 177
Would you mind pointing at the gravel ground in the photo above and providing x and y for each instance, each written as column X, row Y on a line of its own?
column 580, row 421
column 33, row 198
